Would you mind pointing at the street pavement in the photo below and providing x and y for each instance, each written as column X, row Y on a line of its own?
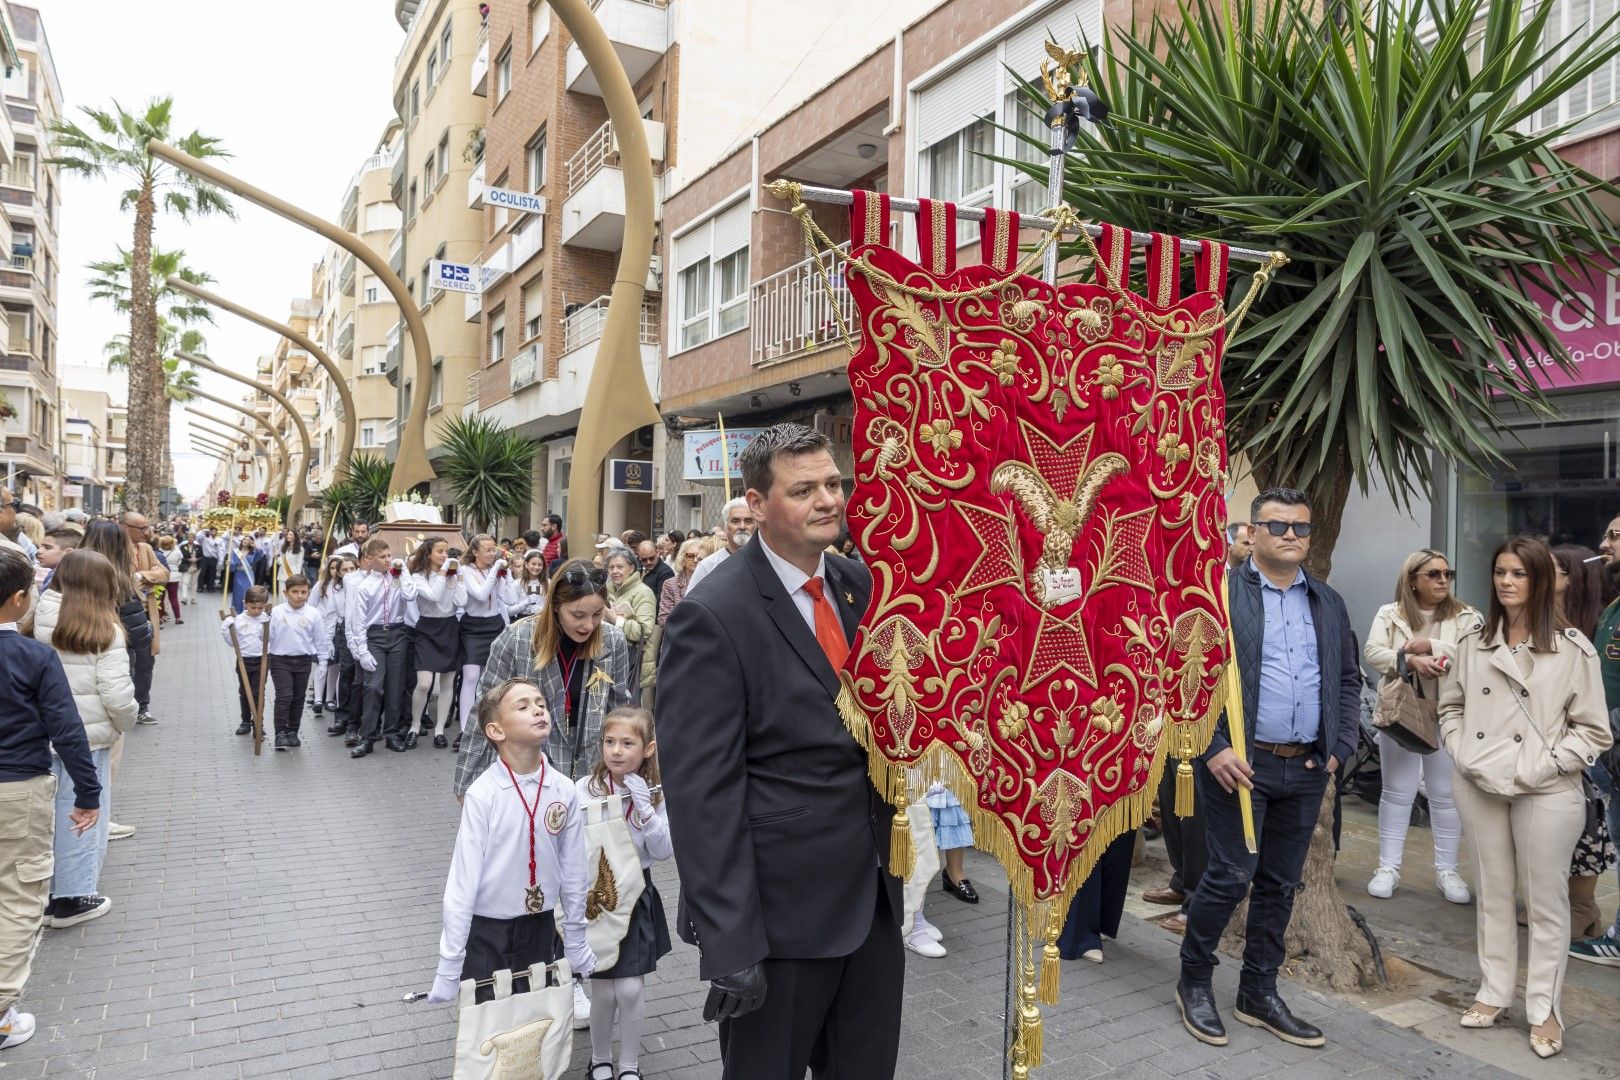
column 270, row 913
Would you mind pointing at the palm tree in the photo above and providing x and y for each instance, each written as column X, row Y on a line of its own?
column 358, row 495
column 179, row 379
column 110, row 281
column 114, row 143
column 1405, row 171
column 488, row 469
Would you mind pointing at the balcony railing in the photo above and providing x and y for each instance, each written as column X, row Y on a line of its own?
column 471, row 401
column 790, row 312
column 598, row 150
column 585, row 324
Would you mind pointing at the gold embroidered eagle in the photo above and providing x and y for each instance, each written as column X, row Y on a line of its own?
column 1058, row 519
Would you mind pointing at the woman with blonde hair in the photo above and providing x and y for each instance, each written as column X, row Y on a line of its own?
column 78, row 617
column 686, row 559
column 1401, row 643
column 1522, row 714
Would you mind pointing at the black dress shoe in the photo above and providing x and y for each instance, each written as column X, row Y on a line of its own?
column 337, row 727
column 1269, row 1011
column 396, row 744
column 963, row 890
column 244, row 728
column 457, row 746
column 410, row 740
column 351, row 736
column 362, row 749
column 281, row 740
column 317, row 708
column 293, row 739
column 440, row 742
column 1199, row 1014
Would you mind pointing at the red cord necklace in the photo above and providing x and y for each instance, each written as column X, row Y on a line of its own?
column 534, row 900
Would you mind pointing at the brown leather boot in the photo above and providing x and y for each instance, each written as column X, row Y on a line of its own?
column 1585, row 918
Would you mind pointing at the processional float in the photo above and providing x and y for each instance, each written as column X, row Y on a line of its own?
column 1040, row 482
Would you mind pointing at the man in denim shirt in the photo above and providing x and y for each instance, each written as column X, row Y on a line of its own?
column 1301, row 704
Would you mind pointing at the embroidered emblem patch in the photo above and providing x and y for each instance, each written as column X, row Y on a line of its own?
column 556, row 814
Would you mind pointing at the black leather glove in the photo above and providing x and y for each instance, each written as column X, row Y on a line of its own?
column 735, row 995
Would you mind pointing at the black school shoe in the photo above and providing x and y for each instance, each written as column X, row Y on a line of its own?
column 351, row 736
column 336, row 727
column 293, row 739
column 317, row 708
column 245, row 728
column 281, row 740
column 1199, row 1014
column 362, row 749
column 1269, row 1011
column 411, row 738
column 963, row 890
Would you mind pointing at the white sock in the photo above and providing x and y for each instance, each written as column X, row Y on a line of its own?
column 469, row 692
column 629, row 995
column 602, row 1009
column 419, row 696
column 441, row 702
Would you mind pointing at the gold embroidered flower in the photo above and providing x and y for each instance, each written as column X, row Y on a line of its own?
column 1094, row 321
column 1013, row 719
column 940, row 435
column 1172, row 449
column 1208, row 458
column 1110, row 376
column 1004, row 361
column 1107, row 717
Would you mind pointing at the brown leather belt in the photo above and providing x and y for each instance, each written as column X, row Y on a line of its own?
column 1285, row 749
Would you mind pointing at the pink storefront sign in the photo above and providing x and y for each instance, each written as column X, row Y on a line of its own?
column 1586, row 318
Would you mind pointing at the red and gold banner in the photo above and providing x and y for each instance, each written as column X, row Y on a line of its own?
column 1039, row 492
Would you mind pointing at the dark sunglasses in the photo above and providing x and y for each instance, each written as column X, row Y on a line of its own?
column 1302, row 529
column 586, row 575
column 1437, row 575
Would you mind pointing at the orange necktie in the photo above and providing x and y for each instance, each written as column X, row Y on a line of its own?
column 829, row 634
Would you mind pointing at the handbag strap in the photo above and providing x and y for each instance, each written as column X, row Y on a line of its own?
column 1518, row 699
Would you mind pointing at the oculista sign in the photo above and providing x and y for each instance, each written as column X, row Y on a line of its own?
column 521, row 201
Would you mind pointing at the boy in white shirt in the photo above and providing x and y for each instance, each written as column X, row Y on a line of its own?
column 297, row 640
column 520, row 851
column 250, row 634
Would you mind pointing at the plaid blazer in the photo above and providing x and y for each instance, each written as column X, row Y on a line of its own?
column 571, row 749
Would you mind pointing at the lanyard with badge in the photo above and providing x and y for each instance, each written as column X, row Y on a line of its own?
column 534, row 898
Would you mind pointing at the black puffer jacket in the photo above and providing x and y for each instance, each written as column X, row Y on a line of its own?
column 137, row 627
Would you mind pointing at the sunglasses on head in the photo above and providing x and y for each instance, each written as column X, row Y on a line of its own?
column 587, row 575
column 1302, row 529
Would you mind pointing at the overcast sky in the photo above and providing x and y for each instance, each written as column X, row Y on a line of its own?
column 298, row 90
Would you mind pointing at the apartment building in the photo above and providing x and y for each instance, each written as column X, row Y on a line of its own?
column 442, row 129
column 547, row 271
column 30, row 416
column 752, row 333
column 87, row 459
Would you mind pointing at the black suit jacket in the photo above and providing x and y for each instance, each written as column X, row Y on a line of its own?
column 780, row 838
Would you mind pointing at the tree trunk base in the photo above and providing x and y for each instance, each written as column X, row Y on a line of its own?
column 1325, row 947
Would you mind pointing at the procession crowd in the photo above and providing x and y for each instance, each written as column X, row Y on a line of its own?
column 548, row 676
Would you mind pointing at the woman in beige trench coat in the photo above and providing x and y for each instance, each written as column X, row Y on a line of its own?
column 1522, row 714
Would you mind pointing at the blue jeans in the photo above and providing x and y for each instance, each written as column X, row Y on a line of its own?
column 79, row 858
column 1287, row 800
column 1606, row 784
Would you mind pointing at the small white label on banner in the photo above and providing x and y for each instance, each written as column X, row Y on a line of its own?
column 1061, row 585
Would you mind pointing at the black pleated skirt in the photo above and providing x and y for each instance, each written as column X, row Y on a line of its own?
column 478, row 633
column 646, row 940
column 438, row 643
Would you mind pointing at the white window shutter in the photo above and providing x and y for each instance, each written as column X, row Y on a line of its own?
column 957, row 100
column 1026, row 48
column 692, row 246
column 731, row 229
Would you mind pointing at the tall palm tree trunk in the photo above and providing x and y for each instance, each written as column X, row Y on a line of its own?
column 148, row 407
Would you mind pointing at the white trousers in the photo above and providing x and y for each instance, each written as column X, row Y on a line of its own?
column 1524, row 841
column 922, row 841
column 1401, row 771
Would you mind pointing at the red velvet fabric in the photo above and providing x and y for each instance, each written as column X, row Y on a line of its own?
column 1024, row 424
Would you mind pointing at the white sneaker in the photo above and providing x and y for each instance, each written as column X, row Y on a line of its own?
column 1453, row 886
column 920, row 943
column 1384, row 880
column 920, row 924
column 1094, row 956
column 16, row 1028
column 582, row 1007
column 115, row 831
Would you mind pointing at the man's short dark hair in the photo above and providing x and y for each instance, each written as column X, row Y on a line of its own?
column 778, row 440
column 555, row 519
column 16, row 574
column 1285, row 495
column 532, row 537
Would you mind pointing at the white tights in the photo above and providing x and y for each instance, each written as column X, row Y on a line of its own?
column 469, row 692
column 419, row 699
column 1401, row 770
column 624, row 997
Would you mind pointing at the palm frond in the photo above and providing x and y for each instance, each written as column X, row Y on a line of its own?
column 487, row 467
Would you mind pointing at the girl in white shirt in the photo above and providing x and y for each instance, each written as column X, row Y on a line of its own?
column 530, row 587
column 629, row 765
column 328, row 600
column 484, row 593
column 431, row 585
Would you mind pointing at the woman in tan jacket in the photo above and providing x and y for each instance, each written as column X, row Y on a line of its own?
column 1522, row 714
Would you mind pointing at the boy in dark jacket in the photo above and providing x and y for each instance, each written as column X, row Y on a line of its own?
column 36, row 713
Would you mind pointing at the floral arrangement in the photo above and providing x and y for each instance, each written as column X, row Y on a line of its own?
column 222, row 498
column 262, row 498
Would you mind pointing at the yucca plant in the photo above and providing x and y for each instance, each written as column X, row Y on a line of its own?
column 487, row 467
column 358, row 495
column 1396, row 152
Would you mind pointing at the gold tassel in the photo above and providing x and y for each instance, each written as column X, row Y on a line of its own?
column 1050, row 960
column 1184, row 774
column 1029, row 1017
column 902, row 856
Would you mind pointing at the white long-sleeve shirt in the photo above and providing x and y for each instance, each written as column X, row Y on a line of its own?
column 249, row 632
column 299, row 632
column 489, row 871
column 649, row 824
column 373, row 599
column 482, row 593
column 433, row 594
column 527, row 600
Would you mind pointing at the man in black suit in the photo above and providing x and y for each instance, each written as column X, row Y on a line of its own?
column 780, row 838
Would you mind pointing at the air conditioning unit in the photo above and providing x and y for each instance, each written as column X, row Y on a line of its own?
column 642, row 438
column 655, row 274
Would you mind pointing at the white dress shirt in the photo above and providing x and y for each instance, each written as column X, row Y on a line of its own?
column 298, row 632
column 489, row 871
column 433, row 594
column 649, row 824
column 374, row 599
column 480, row 593
column 527, row 600
column 249, row 632
column 706, row 567
column 793, row 580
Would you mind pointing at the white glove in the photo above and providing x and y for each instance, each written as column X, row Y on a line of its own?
column 398, row 564
column 366, row 661
column 445, row 989
column 580, row 957
column 640, row 794
column 451, row 564
column 500, row 564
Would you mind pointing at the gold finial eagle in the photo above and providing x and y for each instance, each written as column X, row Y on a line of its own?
column 1058, row 519
column 604, row 895
column 1064, row 74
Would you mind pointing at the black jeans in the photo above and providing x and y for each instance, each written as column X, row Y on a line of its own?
column 345, row 709
column 1287, row 799
column 290, row 676
column 1183, row 837
column 385, row 685
column 141, row 662
column 250, row 664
